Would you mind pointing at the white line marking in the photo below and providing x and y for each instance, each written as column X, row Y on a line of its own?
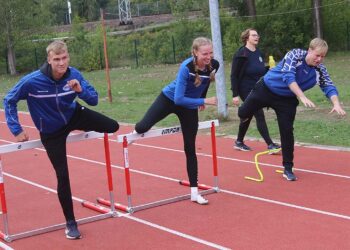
column 5, row 247
column 177, row 233
column 225, row 191
column 176, row 180
column 171, row 231
column 245, row 161
column 287, row 204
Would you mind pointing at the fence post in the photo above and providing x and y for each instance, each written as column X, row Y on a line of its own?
column 348, row 35
column 136, row 54
column 7, row 62
column 100, row 52
column 173, row 40
column 36, row 58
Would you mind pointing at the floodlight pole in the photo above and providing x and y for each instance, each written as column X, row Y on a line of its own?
column 69, row 12
column 217, row 44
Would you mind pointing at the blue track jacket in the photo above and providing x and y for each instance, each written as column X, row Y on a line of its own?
column 183, row 92
column 51, row 103
column 293, row 68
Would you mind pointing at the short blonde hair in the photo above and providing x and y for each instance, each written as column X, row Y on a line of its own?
column 57, row 47
column 318, row 43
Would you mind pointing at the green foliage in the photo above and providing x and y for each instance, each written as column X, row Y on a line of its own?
column 84, row 49
column 337, row 28
column 184, row 33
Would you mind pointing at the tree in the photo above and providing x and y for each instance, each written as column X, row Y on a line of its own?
column 88, row 9
column 19, row 19
column 316, row 18
column 251, row 8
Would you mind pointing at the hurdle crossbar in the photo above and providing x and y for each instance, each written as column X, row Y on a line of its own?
column 107, row 213
column 9, row 148
column 155, row 133
column 163, row 131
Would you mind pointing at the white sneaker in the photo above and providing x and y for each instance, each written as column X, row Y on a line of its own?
column 199, row 199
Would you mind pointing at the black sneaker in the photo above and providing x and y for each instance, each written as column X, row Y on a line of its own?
column 289, row 175
column 241, row 146
column 72, row 231
column 274, row 147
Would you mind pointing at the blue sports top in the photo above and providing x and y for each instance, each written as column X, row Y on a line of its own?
column 293, row 68
column 182, row 90
column 51, row 103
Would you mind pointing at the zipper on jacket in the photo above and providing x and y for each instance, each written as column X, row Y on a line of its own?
column 41, row 124
column 58, row 106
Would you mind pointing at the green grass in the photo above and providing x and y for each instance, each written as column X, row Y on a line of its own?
column 133, row 91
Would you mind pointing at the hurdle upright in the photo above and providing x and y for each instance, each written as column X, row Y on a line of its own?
column 126, row 138
column 106, row 213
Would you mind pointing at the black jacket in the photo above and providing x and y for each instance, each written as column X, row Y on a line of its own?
column 239, row 64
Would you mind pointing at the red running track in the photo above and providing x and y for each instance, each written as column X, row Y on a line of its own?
column 311, row 213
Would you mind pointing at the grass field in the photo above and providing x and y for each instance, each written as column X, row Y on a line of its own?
column 134, row 89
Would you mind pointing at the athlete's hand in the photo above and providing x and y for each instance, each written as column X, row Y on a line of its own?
column 338, row 109
column 74, row 84
column 201, row 108
column 22, row 137
column 307, row 103
column 235, row 101
column 210, row 100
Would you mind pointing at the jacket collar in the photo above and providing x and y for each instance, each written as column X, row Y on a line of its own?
column 47, row 71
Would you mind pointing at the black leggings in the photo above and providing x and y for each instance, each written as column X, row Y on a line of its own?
column 55, row 145
column 160, row 109
column 285, row 108
column 260, row 123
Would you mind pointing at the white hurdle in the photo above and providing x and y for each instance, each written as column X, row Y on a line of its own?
column 106, row 213
column 126, row 138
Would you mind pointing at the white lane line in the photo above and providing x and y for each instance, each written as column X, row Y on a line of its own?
column 177, row 233
column 159, row 227
column 229, row 158
column 176, row 180
column 5, row 247
column 287, row 204
column 222, row 190
column 244, row 161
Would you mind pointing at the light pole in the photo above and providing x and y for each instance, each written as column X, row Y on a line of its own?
column 217, row 44
column 69, row 12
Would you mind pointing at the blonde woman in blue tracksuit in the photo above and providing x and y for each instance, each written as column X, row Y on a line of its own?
column 282, row 86
column 183, row 97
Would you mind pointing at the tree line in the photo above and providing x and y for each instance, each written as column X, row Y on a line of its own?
column 282, row 24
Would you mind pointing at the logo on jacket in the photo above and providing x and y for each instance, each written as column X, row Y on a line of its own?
column 66, row 87
column 260, row 59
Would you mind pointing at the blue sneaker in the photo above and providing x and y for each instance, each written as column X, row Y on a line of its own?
column 241, row 146
column 289, row 175
column 72, row 231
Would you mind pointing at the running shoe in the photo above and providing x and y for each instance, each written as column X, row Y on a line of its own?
column 273, row 146
column 241, row 146
column 289, row 175
column 72, row 231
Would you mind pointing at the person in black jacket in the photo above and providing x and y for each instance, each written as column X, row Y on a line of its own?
column 247, row 68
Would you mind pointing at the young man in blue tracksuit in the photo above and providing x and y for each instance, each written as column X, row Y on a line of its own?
column 281, row 87
column 50, row 94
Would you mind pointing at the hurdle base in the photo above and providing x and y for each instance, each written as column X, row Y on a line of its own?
column 12, row 237
column 134, row 209
column 116, row 205
column 200, row 186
